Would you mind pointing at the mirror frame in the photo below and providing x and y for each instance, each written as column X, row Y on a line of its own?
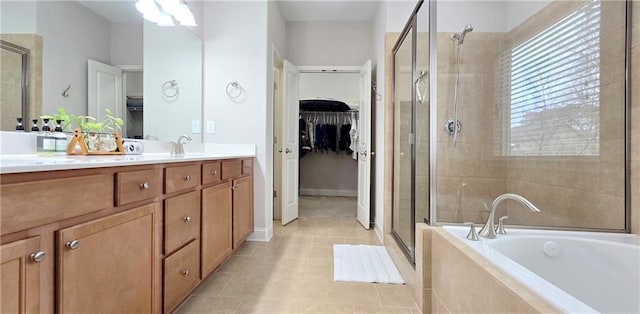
column 24, row 53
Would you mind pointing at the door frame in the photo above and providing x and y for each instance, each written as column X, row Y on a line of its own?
column 355, row 69
column 276, row 72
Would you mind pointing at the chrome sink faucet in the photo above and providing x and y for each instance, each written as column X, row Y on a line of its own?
column 177, row 147
column 488, row 230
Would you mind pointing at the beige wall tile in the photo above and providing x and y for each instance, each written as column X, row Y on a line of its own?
column 612, row 107
column 635, row 197
column 504, row 301
column 459, row 282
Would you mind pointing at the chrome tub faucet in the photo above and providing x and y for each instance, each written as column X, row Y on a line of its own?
column 489, row 229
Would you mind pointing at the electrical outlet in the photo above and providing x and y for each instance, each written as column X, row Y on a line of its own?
column 195, row 126
column 211, row 127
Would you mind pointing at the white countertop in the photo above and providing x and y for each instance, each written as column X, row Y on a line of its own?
column 34, row 163
column 17, row 155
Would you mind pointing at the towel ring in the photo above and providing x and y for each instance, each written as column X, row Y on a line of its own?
column 168, row 86
column 234, row 86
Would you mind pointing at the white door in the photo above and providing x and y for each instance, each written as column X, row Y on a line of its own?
column 289, row 142
column 104, row 90
column 364, row 147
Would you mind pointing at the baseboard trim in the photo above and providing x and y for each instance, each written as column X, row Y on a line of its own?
column 378, row 230
column 260, row 235
column 328, row 192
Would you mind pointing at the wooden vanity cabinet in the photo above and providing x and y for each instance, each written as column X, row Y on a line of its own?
column 134, row 239
column 242, row 210
column 216, row 226
column 20, row 276
column 110, row 264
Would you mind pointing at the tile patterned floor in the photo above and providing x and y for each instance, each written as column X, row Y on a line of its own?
column 293, row 273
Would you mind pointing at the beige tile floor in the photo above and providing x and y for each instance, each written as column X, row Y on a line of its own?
column 293, row 273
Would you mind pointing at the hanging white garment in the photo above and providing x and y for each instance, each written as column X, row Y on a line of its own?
column 354, row 139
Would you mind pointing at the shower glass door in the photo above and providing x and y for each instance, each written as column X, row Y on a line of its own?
column 403, row 219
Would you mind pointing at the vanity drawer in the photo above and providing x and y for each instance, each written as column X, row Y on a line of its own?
column 36, row 203
column 181, row 178
column 247, row 167
column 181, row 274
column 181, row 220
column 231, row 169
column 136, row 186
column 211, row 173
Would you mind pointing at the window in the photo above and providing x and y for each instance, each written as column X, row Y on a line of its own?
column 548, row 90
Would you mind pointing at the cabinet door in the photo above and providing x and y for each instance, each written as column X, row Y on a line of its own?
column 242, row 210
column 216, row 226
column 112, row 264
column 20, row 276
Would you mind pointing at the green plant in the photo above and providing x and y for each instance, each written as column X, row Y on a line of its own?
column 62, row 116
column 89, row 124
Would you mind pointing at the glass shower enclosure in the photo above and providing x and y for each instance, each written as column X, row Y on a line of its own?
column 411, row 129
column 529, row 98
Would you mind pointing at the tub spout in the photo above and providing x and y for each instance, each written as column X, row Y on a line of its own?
column 488, row 230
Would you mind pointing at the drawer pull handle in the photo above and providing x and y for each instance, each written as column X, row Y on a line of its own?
column 187, row 177
column 185, row 272
column 214, row 172
column 144, row 186
column 73, row 244
column 37, row 256
column 187, row 219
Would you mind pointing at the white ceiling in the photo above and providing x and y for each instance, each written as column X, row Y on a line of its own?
column 327, row 10
column 123, row 11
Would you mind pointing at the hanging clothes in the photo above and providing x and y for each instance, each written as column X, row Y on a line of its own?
column 354, row 139
column 305, row 144
column 328, row 132
column 345, row 138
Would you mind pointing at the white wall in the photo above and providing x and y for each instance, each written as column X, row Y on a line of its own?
column 485, row 16
column 329, row 43
column 71, row 34
column 518, row 11
column 341, row 86
column 172, row 53
column 127, row 44
column 379, row 29
column 18, row 17
column 397, row 14
column 236, row 49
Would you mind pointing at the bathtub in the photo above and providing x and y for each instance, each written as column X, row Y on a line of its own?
column 577, row 272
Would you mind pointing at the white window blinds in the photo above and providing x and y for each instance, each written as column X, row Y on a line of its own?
column 548, row 89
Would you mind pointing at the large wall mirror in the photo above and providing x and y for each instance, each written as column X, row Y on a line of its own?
column 86, row 56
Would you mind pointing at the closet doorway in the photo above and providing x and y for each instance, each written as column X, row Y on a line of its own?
column 322, row 140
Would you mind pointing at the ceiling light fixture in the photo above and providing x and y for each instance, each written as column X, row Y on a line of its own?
column 161, row 11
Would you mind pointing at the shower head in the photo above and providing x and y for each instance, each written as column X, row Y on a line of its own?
column 459, row 37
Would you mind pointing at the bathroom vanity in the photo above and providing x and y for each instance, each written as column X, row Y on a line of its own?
column 123, row 234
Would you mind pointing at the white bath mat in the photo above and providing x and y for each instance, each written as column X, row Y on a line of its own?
column 364, row 263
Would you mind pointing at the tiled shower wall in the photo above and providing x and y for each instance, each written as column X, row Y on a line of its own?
column 574, row 191
column 571, row 191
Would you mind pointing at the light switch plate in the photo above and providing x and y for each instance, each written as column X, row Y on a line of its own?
column 211, row 127
column 195, row 126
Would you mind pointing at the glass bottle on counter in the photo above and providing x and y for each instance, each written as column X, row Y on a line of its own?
column 35, row 127
column 61, row 139
column 19, row 126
